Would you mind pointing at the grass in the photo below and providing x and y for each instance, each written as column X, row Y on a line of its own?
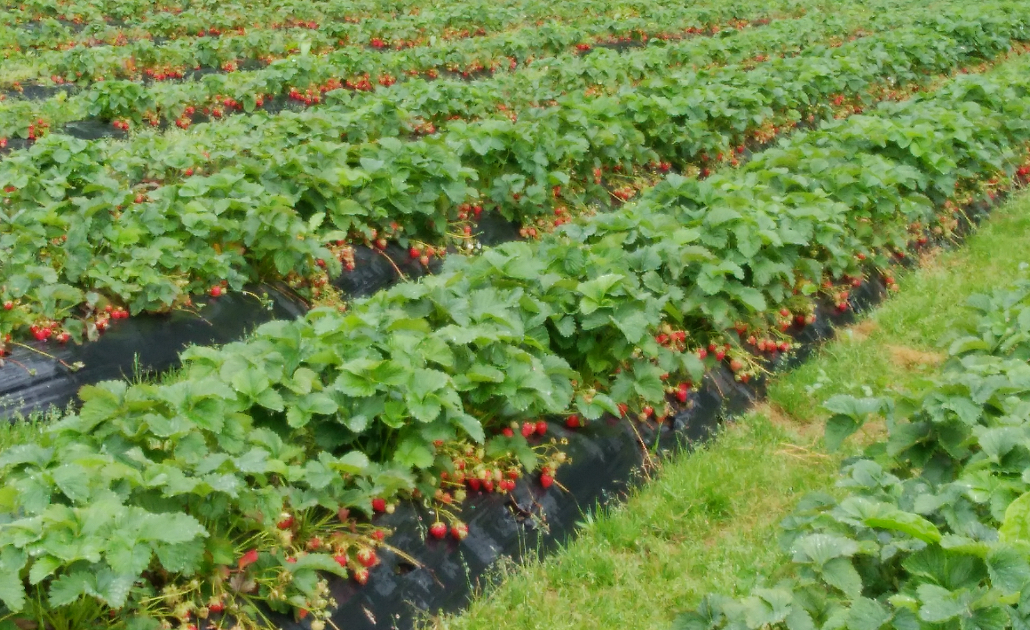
column 708, row 522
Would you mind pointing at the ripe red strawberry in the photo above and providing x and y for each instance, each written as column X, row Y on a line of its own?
column 247, row 559
column 528, row 429
column 215, row 291
column 8, row 305
column 507, row 432
column 378, row 504
column 216, row 607
column 541, row 427
column 736, row 365
column 459, row 531
column 702, row 354
column 720, row 354
column 381, row 243
column 361, row 576
column 682, row 391
column 623, row 408
column 546, row 480
column 414, row 252
column 438, row 530
column 366, row 557
column 573, row 422
column 285, row 521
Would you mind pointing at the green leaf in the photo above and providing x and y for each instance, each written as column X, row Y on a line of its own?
column 170, row 527
column 838, row 429
column 1016, row 524
column 69, row 587
column 318, row 562
column 938, row 603
column 353, row 463
column 469, row 425
column 1009, row 569
column 889, row 517
column 867, row 614
column 12, row 592
column 413, row 453
column 43, row 568
column 840, row 573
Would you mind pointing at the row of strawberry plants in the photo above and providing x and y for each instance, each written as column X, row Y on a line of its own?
column 411, row 28
column 234, row 481
column 265, row 218
column 319, row 69
column 409, row 19
column 309, row 81
column 931, row 526
column 173, row 59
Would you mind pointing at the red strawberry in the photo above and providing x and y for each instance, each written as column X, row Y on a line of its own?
column 507, row 432
column 528, row 429
column 459, row 531
column 546, row 480
column 379, row 504
column 573, row 422
column 216, row 607
column 438, row 530
column 361, row 576
column 8, row 305
column 285, row 521
column 736, row 365
column 215, row 291
column 541, row 427
column 366, row 557
column 247, row 559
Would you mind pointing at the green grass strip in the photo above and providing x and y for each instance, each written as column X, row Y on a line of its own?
column 708, row 521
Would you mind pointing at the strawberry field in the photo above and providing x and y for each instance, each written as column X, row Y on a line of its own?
column 586, row 215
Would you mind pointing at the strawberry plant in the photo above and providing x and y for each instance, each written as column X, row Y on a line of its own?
column 930, row 527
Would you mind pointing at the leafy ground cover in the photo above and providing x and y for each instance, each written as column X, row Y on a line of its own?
column 709, row 521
